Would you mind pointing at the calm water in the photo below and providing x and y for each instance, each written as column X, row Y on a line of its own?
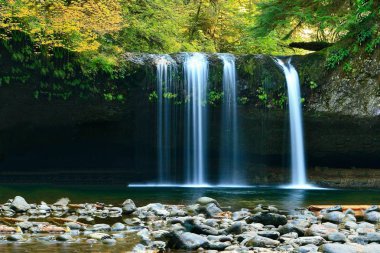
column 228, row 197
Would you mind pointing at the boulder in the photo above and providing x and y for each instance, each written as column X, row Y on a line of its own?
column 212, row 210
column 337, row 237
column 334, row 217
column 236, row 228
column 118, row 227
column 128, row 206
column 268, row 219
column 20, row 205
column 187, row 241
column 99, row 236
column 269, row 234
column 373, row 217
column 341, row 248
column 315, row 240
column 203, row 201
column 64, row 238
column 259, row 241
column 62, row 202
column 240, row 215
column 204, row 229
column 322, row 230
column 310, row 248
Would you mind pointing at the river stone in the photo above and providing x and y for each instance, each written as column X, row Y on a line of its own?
column 193, row 209
column 350, row 225
column 334, row 216
column 315, row 240
column 100, row 227
column 359, row 239
column 337, row 237
column 240, row 215
column 334, row 208
column 212, row 210
column 160, row 245
column 259, row 241
column 220, row 238
column 20, row 205
column 268, row 219
column 310, row 248
column 372, row 248
column 291, row 227
column 288, row 237
column 160, row 235
column 188, row 241
column 73, row 225
column 373, row 217
column 322, row 230
column 109, row 241
column 269, row 234
column 62, row 202
column 99, row 236
column 128, row 206
column 144, row 236
column 372, row 208
column 118, row 227
column 64, row 238
column 219, row 246
column 24, row 225
column 206, row 200
column 236, row 228
column 204, row 229
column 373, row 237
column 349, row 211
column 340, row 248
column 15, row 238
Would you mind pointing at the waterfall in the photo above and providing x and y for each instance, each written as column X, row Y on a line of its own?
column 230, row 174
column 296, row 128
column 166, row 69
column 196, row 76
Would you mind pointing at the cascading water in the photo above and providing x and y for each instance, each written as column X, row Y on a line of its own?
column 229, row 168
column 166, row 69
column 296, row 129
column 196, row 76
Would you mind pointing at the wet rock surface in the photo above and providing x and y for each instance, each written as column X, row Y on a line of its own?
column 202, row 226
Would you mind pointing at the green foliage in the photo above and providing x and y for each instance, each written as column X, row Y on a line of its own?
column 347, row 67
column 215, row 97
column 313, row 85
column 336, row 57
column 153, row 96
column 262, row 95
column 113, row 97
column 169, row 95
column 243, row 100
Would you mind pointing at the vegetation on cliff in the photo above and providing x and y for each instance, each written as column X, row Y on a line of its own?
column 75, row 46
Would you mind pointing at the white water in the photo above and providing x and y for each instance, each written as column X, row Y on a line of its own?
column 165, row 85
column 229, row 168
column 296, row 129
column 196, row 76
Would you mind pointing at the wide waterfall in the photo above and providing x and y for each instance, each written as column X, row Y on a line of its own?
column 230, row 174
column 296, row 129
column 166, row 70
column 196, row 78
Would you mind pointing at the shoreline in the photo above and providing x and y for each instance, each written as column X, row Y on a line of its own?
column 201, row 226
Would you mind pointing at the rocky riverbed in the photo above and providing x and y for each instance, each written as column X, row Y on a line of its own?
column 202, row 226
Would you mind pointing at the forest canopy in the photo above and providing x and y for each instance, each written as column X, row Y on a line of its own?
column 109, row 27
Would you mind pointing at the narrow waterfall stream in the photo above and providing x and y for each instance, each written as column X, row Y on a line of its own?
column 196, row 78
column 166, row 69
column 298, row 166
column 230, row 174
